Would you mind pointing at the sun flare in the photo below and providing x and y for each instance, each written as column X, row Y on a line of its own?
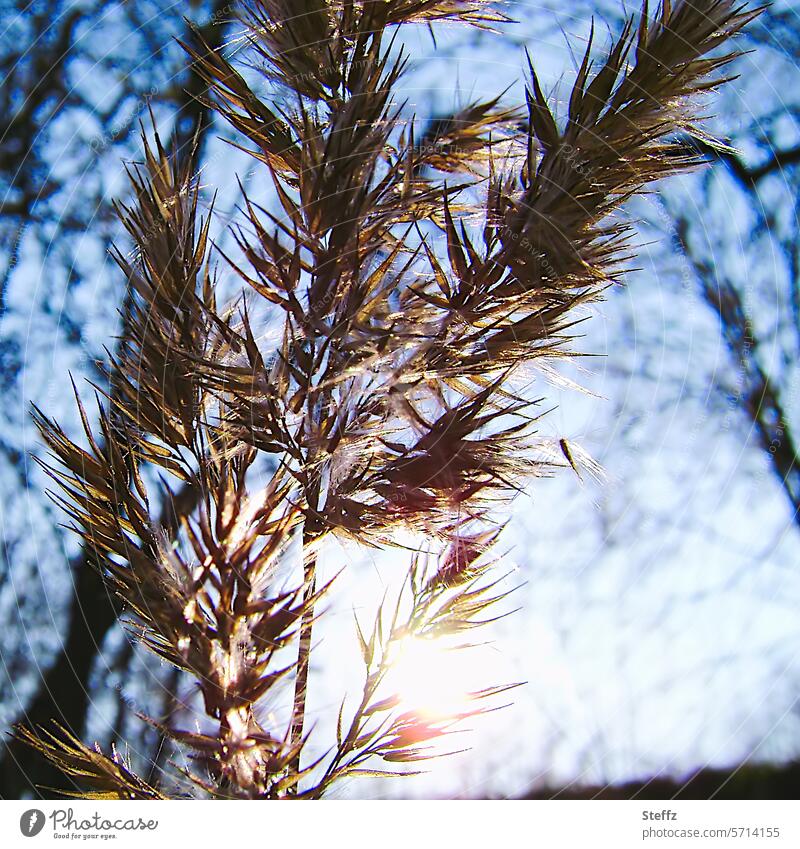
column 433, row 677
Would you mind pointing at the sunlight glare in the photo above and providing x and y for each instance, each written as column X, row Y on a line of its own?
column 432, row 677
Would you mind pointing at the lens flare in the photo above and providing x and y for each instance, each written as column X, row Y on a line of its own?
column 432, row 678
